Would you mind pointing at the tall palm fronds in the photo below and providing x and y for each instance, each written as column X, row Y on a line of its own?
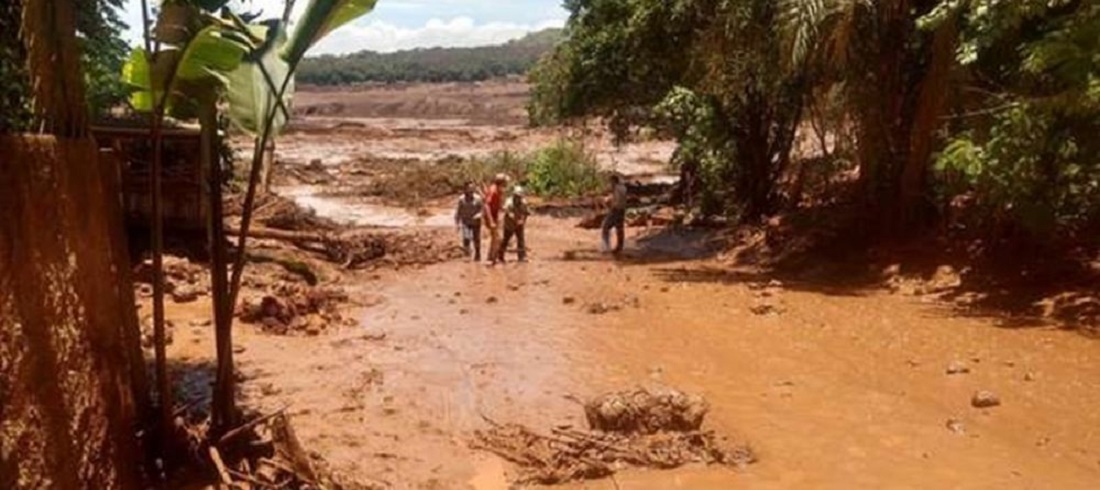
column 54, row 67
column 822, row 30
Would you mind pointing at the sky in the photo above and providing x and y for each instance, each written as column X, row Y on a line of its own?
column 405, row 24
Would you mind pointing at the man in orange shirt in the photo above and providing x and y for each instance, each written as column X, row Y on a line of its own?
column 494, row 202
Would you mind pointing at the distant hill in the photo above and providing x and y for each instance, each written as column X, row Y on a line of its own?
column 431, row 64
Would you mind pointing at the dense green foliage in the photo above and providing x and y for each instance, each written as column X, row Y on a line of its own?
column 430, row 65
column 99, row 30
column 930, row 99
column 14, row 104
column 563, row 169
column 713, row 71
column 1027, row 146
column 104, row 53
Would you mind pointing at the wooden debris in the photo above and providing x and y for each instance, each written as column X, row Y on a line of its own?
column 637, row 428
column 216, row 458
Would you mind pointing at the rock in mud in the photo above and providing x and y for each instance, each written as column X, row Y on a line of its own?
column 601, row 308
column 295, row 308
column 148, row 337
column 185, row 294
column 763, row 309
column 646, row 412
column 957, row 367
column 1029, row 376
column 271, row 306
column 985, row 399
column 956, row 426
column 202, row 322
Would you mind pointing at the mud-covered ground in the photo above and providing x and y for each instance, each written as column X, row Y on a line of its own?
column 832, row 384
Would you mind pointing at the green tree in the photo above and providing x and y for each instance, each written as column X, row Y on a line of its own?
column 103, row 52
column 715, row 70
column 1024, row 140
column 896, row 80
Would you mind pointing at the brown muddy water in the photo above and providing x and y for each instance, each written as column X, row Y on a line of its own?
column 837, row 390
column 833, row 388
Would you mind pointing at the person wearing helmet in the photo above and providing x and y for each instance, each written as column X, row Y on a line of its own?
column 494, row 203
column 515, row 221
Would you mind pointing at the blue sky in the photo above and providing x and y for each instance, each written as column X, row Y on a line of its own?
column 405, row 24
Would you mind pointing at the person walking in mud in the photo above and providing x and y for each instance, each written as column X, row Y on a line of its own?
column 515, row 221
column 468, row 220
column 616, row 216
column 494, row 203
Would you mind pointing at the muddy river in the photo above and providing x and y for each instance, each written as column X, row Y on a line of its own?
column 834, row 388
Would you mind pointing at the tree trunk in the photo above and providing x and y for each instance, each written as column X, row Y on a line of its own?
column 899, row 105
column 922, row 138
column 67, row 398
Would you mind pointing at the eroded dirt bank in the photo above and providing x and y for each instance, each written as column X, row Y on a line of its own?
column 833, row 387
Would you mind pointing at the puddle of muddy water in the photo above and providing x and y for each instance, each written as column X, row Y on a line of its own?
column 345, row 211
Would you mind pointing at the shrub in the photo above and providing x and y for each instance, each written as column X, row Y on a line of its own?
column 563, row 169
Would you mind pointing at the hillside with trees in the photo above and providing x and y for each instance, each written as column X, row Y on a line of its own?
column 515, row 57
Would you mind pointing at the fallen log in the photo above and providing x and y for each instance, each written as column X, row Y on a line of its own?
column 273, row 234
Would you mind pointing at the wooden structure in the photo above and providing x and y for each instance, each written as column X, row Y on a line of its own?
column 186, row 198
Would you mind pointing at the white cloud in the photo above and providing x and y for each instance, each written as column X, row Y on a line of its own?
column 406, row 24
column 383, row 36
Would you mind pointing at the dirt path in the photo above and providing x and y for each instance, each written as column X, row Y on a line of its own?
column 836, row 389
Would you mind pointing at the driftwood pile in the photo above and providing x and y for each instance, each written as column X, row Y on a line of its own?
column 357, row 249
column 639, row 428
column 262, row 453
column 365, row 248
column 281, row 213
column 292, row 308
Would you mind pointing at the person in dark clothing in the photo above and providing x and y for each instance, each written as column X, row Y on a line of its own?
column 468, row 213
column 616, row 216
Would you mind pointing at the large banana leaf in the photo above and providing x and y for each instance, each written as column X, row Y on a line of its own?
column 320, row 18
column 204, row 61
column 252, row 87
column 137, row 74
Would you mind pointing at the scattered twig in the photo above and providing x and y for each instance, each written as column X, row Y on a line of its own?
column 182, row 409
column 253, row 423
column 216, row 457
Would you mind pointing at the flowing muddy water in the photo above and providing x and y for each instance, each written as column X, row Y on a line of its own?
column 834, row 388
column 362, row 212
column 838, row 389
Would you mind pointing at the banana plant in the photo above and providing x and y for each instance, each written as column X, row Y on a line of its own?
column 206, row 53
column 261, row 106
